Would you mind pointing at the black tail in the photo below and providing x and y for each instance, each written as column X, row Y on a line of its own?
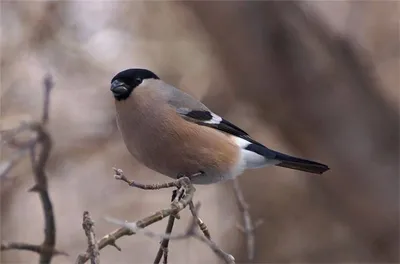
column 290, row 162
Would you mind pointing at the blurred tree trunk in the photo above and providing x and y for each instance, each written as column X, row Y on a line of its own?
column 324, row 98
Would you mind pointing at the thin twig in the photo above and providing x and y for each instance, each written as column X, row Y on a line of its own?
column 119, row 175
column 30, row 247
column 93, row 249
column 199, row 222
column 190, row 232
column 175, row 207
column 228, row 258
column 48, row 86
column 163, row 250
column 248, row 225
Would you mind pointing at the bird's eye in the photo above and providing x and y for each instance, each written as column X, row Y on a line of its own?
column 138, row 80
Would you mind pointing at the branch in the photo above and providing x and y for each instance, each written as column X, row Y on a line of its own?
column 190, row 232
column 119, row 175
column 137, row 226
column 47, row 248
column 181, row 199
column 48, row 86
column 163, row 250
column 93, row 249
column 42, row 189
column 174, row 209
column 29, row 247
column 199, row 222
column 249, row 227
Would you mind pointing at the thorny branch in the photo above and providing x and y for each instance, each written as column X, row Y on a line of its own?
column 30, row 247
column 42, row 137
column 249, row 226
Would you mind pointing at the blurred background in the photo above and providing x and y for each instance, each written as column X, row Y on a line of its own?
column 317, row 79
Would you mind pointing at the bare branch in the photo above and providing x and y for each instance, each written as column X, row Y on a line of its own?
column 44, row 140
column 41, row 187
column 107, row 240
column 48, row 86
column 175, row 208
column 190, row 232
column 199, row 222
column 249, row 226
column 163, row 250
column 228, row 258
column 110, row 238
column 93, row 249
column 119, row 175
column 29, row 247
column 179, row 203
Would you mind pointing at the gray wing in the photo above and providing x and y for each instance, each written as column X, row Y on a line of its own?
column 194, row 111
column 179, row 99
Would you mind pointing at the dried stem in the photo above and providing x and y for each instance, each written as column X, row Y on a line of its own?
column 249, row 226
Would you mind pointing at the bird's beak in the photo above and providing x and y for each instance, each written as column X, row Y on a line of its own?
column 118, row 88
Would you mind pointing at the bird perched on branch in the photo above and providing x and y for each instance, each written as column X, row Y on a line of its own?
column 174, row 134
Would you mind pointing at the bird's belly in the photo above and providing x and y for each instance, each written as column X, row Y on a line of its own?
column 172, row 146
column 178, row 157
column 173, row 165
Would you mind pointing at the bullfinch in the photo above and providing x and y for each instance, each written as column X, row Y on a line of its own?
column 174, row 134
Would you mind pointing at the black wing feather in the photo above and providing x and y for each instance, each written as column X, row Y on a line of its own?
column 199, row 115
column 203, row 117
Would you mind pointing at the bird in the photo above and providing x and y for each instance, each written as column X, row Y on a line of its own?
column 172, row 133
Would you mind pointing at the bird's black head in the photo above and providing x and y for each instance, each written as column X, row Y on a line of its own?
column 124, row 82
